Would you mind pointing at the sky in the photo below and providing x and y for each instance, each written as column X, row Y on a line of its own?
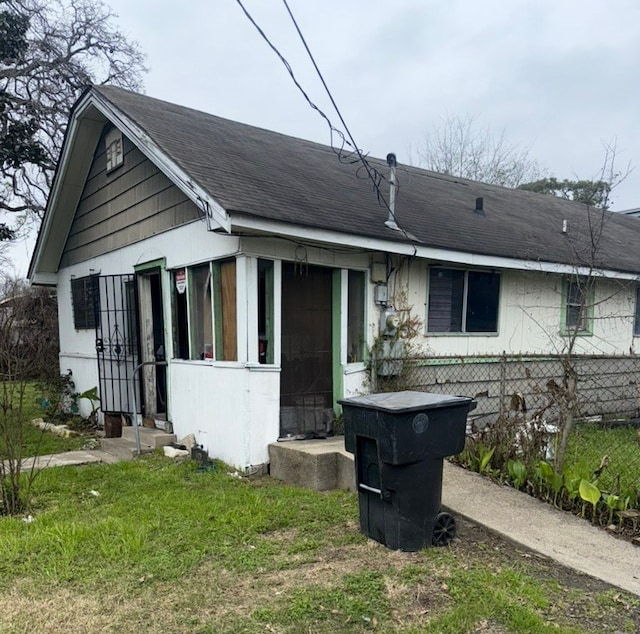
column 558, row 78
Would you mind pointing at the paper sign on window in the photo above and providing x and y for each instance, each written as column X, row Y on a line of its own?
column 181, row 280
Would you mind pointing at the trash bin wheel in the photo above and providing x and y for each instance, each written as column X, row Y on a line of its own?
column 444, row 529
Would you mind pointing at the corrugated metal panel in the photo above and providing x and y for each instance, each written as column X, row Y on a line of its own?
column 134, row 202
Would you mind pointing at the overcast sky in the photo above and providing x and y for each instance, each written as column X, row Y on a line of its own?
column 559, row 77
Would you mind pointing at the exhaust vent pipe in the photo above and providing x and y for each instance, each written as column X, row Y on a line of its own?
column 391, row 219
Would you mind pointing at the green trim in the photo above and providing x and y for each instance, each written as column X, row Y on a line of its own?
column 160, row 263
column 336, row 339
column 564, row 330
column 480, row 360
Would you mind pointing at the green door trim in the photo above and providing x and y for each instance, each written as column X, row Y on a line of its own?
column 336, row 340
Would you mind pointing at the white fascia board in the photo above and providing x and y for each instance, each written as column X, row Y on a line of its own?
column 214, row 211
column 44, row 279
column 54, row 195
column 340, row 239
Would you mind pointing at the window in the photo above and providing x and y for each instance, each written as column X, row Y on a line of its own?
column 463, row 301
column 200, row 314
column 355, row 316
column 83, row 301
column 224, row 281
column 180, row 314
column 113, row 146
column 636, row 321
column 204, row 311
column 265, row 311
column 578, row 306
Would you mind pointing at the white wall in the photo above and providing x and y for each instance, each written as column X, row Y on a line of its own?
column 232, row 410
column 530, row 316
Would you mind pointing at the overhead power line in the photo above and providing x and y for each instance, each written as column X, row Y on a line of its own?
column 372, row 173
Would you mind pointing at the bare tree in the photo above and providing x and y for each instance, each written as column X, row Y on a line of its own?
column 28, row 353
column 58, row 48
column 459, row 147
column 587, row 259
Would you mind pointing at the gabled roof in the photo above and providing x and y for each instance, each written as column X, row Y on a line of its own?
column 254, row 179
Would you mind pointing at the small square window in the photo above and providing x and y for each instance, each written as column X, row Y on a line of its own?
column 578, row 307
column 114, row 151
column 84, row 300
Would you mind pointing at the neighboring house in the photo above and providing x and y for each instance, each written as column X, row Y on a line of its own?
column 260, row 268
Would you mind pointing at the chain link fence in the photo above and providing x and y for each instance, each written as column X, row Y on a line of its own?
column 520, row 390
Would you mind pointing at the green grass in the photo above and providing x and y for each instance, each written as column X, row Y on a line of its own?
column 146, row 507
column 36, row 442
column 590, row 443
column 164, row 547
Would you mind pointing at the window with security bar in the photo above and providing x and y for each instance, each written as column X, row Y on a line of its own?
column 83, row 300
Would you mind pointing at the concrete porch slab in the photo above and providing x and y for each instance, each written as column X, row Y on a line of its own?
column 313, row 464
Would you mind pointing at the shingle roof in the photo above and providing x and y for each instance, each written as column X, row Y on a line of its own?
column 272, row 176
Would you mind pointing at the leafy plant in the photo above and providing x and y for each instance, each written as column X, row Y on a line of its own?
column 589, row 492
column 92, row 396
column 484, row 457
column 518, row 473
column 550, row 481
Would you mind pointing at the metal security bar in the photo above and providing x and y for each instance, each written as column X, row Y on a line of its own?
column 116, row 341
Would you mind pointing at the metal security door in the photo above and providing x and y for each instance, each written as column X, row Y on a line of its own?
column 116, row 341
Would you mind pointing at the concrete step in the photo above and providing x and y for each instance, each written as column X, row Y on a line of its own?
column 122, row 448
column 320, row 465
column 154, row 438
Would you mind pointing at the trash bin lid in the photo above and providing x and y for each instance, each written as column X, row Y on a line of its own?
column 406, row 401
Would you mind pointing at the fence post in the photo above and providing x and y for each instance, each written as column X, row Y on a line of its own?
column 503, row 383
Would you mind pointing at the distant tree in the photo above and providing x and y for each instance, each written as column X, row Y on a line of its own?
column 458, row 147
column 594, row 192
column 50, row 50
column 590, row 192
column 18, row 124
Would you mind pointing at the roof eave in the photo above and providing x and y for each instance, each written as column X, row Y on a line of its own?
column 242, row 222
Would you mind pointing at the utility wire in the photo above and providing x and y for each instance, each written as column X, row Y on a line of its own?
column 372, row 173
column 286, row 64
column 324, row 83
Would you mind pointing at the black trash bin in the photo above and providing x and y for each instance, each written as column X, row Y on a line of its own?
column 399, row 440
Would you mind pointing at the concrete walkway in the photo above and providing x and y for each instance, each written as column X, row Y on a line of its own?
column 540, row 527
column 69, row 458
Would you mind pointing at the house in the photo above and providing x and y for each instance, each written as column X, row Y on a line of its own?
column 251, row 272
